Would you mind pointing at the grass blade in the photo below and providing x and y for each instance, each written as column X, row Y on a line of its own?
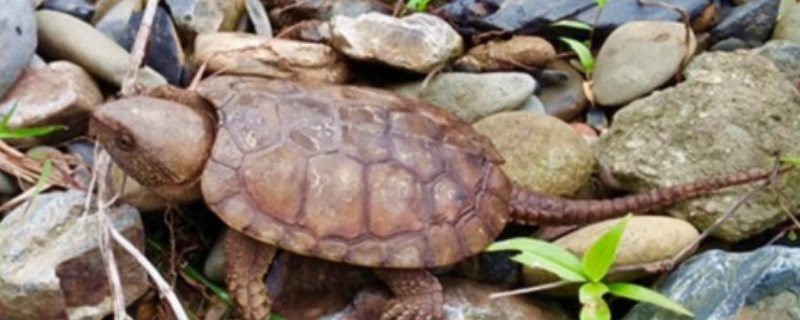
column 639, row 293
column 598, row 259
column 583, row 52
column 545, row 255
column 29, row 132
column 573, row 24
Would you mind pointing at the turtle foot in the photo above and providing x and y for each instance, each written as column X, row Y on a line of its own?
column 413, row 308
column 418, row 295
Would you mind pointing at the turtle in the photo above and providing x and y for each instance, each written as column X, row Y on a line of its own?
column 344, row 173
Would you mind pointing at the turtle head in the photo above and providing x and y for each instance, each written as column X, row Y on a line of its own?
column 158, row 142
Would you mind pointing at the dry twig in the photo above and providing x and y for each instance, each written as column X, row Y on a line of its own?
column 138, row 49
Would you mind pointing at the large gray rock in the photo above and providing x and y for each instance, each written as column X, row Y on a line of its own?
column 419, row 42
column 474, row 96
column 788, row 26
column 717, row 285
column 733, row 113
column 637, row 58
column 17, row 40
column 50, row 263
column 785, row 55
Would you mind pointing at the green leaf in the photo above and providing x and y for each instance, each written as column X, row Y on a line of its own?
column 583, row 52
column 417, row 5
column 7, row 117
column 595, row 310
column 591, row 291
column 601, row 3
column 545, row 255
column 791, row 160
column 275, row 316
column 572, row 24
column 600, row 256
column 29, row 132
column 47, row 167
column 639, row 293
column 217, row 290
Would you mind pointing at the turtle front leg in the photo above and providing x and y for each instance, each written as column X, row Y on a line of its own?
column 246, row 262
column 417, row 295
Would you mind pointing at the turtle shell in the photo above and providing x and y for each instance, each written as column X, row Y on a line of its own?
column 350, row 174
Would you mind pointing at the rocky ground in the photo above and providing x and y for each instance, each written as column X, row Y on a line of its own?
column 680, row 91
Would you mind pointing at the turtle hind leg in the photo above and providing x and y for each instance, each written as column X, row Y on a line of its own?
column 417, row 295
column 246, row 262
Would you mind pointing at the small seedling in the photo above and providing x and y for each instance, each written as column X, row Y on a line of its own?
column 589, row 271
column 417, row 5
column 6, row 133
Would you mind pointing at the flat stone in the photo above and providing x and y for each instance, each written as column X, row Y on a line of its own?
column 164, row 50
column 532, row 15
column 62, row 36
column 248, row 54
column 733, row 113
column 77, row 8
column 564, row 99
column 646, row 239
column 289, row 12
column 541, row 152
column 502, row 55
column 751, row 22
column 618, row 13
column 201, row 16
column 61, row 93
column 17, row 40
column 788, row 25
column 419, row 42
column 474, row 96
column 52, row 267
column 757, row 285
column 638, row 58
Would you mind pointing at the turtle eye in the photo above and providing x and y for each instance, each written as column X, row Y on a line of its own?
column 125, row 142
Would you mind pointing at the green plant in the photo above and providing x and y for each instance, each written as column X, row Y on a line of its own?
column 589, row 271
column 6, row 133
column 791, row 160
column 417, row 5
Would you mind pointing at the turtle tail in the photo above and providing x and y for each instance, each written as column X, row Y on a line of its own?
column 529, row 207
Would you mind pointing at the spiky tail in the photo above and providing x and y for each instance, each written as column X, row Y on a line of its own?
column 534, row 208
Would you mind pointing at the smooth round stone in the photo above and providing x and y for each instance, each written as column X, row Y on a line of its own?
column 534, row 104
column 419, row 42
column 529, row 51
column 62, row 36
column 17, row 40
column 84, row 149
column 541, row 152
column 788, row 26
column 164, row 50
column 638, row 58
column 8, row 185
column 474, row 96
column 564, row 99
column 751, row 22
column 646, row 239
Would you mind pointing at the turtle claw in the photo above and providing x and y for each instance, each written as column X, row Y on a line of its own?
column 413, row 308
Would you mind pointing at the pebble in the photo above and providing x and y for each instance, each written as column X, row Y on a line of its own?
column 785, row 55
column 541, row 152
column 289, row 12
column 419, row 42
column 52, row 267
column 533, row 104
column 756, row 285
column 788, row 26
column 751, row 22
column 61, row 93
column 734, row 112
column 564, row 99
column 194, row 17
column 646, row 239
column 519, row 52
column 62, row 36
column 84, row 149
column 113, row 22
column 248, row 54
column 472, row 97
column 513, row 16
column 8, row 186
column 638, row 58
column 164, row 51
column 17, row 40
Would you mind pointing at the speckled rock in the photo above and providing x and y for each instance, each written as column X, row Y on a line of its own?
column 512, row 54
column 785, row 55
column 541, row 152
column 637, row 58
column 734, row 112
column 717, row 285
column 646, row 239
column 419, row 42
column 59, row 94
column 463, row 300
column 17, row 40
column 248, row 54
column 51, row 265
column 474, row 96
column 788, row 26
column 62, row 36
